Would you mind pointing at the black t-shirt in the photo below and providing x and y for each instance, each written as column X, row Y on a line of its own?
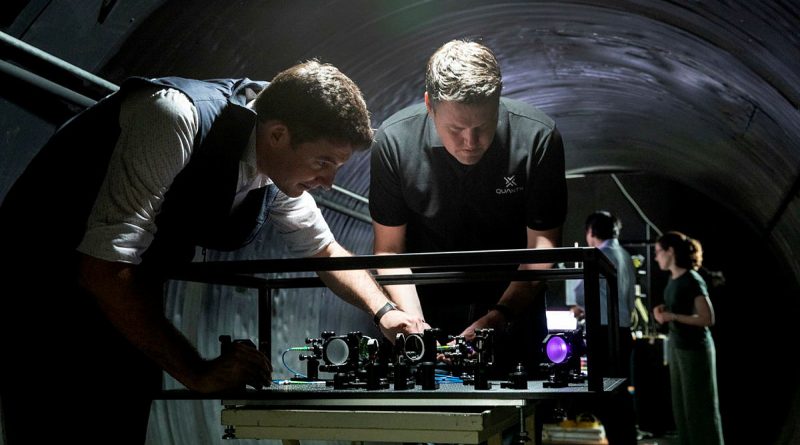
column 679, row 296
column 447, row 206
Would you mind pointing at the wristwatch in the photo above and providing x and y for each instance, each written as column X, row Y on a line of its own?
column 389, row 306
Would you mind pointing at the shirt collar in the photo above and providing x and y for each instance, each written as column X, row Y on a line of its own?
column 248, row 161
column 611, row 242
column 431, row 136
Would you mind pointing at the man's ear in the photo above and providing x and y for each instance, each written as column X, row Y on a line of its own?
column 278, row 133
column 428, row 103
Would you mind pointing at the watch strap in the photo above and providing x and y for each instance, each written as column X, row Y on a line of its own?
column 389, row 306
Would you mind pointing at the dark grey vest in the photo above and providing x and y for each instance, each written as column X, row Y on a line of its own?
column 46, row 210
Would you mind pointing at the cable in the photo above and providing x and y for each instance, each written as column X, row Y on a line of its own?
column 285, row 365
column 635, row 206
column 449, row 379
column 443, row 376
column 298, row 382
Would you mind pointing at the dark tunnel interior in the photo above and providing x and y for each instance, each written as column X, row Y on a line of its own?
column 684, row 112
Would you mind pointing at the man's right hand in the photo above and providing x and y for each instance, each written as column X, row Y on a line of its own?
column 238, row 366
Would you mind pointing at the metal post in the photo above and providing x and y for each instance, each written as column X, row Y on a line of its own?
column 591, row 282
column 265, row 320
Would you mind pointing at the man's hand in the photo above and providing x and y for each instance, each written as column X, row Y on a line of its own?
column 493, row 319
column 396, row 322
column 241, row 365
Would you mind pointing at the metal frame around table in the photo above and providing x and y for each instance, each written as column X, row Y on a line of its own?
column 243, row 273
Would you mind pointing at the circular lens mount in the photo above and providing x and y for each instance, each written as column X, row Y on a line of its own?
column 336, row 351
column 414, row 347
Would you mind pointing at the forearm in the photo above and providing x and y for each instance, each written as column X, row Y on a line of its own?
column 136, row 311
column 403, row 295
column 360, row 289
column 390, row 240
column 703, row 315
column 146, row 327
column 519, row 295
column 356, row 287
column 688, row 319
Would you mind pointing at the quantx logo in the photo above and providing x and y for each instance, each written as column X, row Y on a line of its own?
column 510, row 186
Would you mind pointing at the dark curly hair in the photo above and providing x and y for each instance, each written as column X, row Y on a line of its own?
column 688, row 251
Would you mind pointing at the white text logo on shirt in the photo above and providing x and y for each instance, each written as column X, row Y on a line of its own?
column 511, row 186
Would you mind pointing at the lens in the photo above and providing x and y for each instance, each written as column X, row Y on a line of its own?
column 557, row 349
column 336, row 351
column 414, row 347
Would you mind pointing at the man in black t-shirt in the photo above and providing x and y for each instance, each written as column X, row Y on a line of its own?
column 469, row 170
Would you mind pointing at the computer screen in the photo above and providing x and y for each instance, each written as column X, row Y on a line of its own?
column 561, row 321
column 569, row 291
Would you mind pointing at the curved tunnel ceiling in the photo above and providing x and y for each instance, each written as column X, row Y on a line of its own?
column 701, row 93
column 705, row 93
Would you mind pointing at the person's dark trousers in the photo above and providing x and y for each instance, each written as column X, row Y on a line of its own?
column 67, row 373
column 617, row 413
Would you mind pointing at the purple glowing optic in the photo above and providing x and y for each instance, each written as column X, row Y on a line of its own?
column 557, row 349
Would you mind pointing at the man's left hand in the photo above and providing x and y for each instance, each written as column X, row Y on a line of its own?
column 396, row 322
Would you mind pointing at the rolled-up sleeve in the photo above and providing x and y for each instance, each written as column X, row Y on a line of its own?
column 157, row 131
column 300, row 223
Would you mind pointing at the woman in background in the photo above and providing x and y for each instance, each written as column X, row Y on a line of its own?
column 692, row 356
